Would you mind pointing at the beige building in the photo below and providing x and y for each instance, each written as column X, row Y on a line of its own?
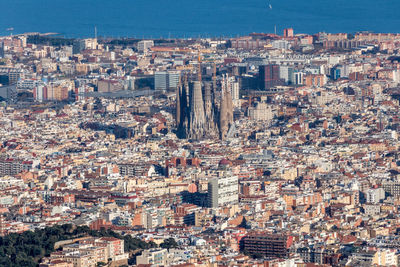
column 385, row 257
column 153, row 256
column 90, row 251
column 261, row 111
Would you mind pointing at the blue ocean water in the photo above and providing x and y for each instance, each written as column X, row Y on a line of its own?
column 192, row 18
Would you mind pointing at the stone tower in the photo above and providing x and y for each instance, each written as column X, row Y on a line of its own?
column 178, row 112
column 182, row 108
column 226, row 109
column 211, row 129
column 196, row 129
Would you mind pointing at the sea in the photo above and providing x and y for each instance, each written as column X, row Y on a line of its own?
column 195, row 18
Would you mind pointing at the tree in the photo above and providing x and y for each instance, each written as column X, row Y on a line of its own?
column 28, row 248
column 258, row 255
column 169, row 243
column 152, row 244
column 244, row 224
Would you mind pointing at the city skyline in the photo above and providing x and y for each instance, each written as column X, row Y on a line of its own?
column 277, row 146
column 144, row 19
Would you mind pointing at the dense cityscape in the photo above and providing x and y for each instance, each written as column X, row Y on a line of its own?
column 275, row 150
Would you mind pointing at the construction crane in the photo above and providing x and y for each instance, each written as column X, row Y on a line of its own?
column 199, row 68
column 214, row 78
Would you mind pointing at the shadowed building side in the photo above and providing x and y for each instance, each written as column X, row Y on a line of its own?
column 182, row 108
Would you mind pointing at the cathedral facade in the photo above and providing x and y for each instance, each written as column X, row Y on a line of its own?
column 200, row 114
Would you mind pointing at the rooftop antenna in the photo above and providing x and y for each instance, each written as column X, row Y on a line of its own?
column 95, row 32
column 214, row 77
column 275, row 29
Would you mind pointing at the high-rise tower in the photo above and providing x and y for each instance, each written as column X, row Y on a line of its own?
column 269, row 76
column 1, row 49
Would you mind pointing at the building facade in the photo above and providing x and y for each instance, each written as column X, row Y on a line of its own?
column 267, row 245
column 223, row 191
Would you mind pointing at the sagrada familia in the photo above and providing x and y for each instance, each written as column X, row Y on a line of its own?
column 201, row 111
